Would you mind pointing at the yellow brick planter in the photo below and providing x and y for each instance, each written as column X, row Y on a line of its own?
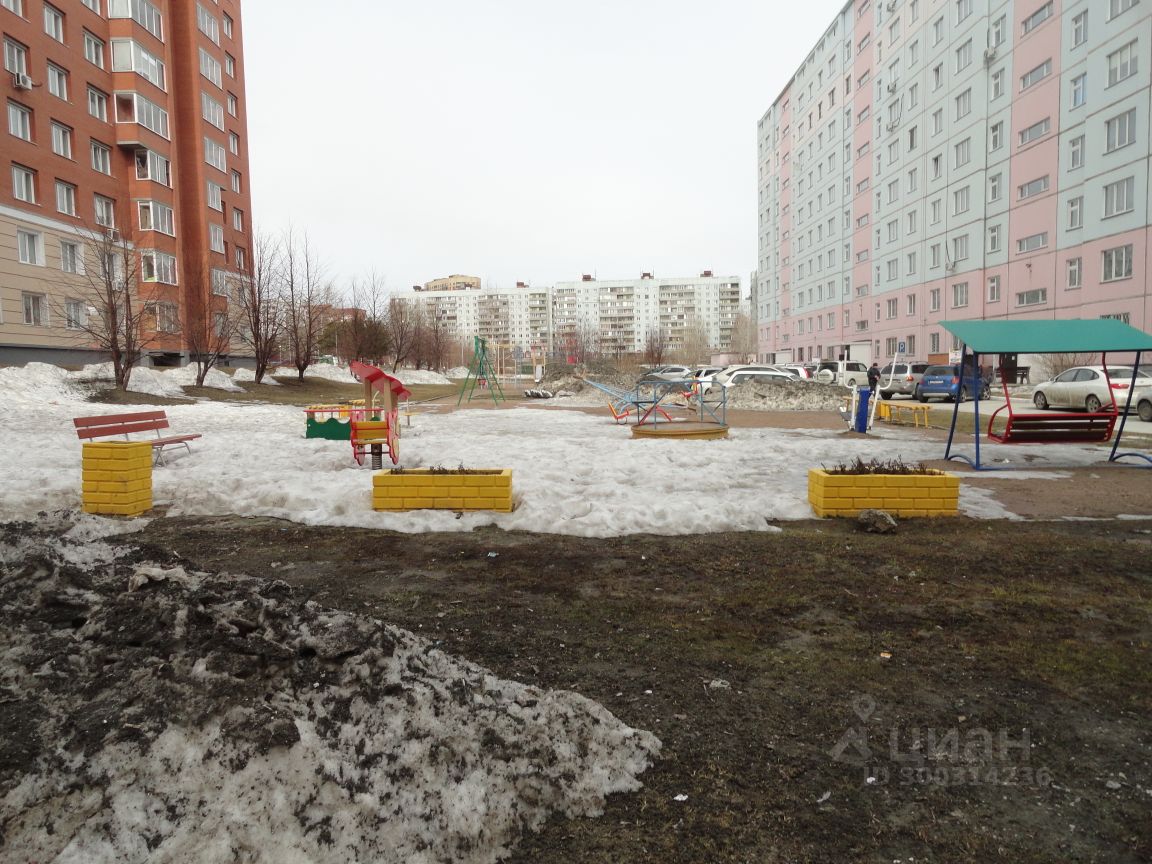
column 117, row 478
column 935, row 494
column 424, row 489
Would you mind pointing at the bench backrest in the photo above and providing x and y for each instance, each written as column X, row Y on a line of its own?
column 369, row 430
column 120, row 424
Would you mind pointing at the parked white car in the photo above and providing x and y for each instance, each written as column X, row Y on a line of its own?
column 1087, row 387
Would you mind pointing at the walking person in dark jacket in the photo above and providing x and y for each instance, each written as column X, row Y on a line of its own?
column 873, row 377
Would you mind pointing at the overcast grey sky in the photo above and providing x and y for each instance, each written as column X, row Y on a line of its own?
column 525, row 140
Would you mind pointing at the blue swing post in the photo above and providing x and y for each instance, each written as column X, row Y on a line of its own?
column 1114, row 456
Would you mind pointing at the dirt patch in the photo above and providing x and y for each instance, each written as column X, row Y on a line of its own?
column 993, row 680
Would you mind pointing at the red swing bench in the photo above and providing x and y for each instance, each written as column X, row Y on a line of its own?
column 1049, row 428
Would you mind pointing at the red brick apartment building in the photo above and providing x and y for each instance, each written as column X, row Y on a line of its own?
column 126, row 131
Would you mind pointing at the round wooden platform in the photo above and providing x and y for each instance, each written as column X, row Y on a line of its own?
column 686, row 430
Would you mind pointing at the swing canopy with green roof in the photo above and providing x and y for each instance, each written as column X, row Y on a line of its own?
column 1069, row 336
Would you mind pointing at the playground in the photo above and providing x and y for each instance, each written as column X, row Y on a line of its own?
column 806, row 681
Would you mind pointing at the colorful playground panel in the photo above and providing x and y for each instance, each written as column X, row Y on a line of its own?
column 333, row 422
column 428, row 489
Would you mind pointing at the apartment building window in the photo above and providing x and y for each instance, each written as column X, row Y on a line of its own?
column 71, row 257
column 134, row 108
column 1035, row 76
column 129, row 55
column 214, row 154
column 219, row 282
column 211, row 110
column 158, row 267
column 1120, row 131
column 229, row 65
column 232, row 104
column 1079, row 29
column 911, row 229
column 150, row 165
column 216, row 237
column 994, row 187
column 210, row 68
column 105, row 211
column 893, row 266
column 237, row 182
column 890, row 345
column 963, row 9
column 234, row 149
column 16, row 6
column 894, row 191
column 1036, row 130
column 910, row 263
column 935, row 252
column 993, row 238
column 142, row 12
column 960, row 202
column 1079, row 90
column 93, row 50
column 35, row 309
column 1117, row 263
column 54, row 22
column 15, row 57
column 936, row 167
column 19, row 121
column 935, row 211
column 963, row 152
column 62, row 140
column 993, row 289
column 94, row 5
column 1033, row 187
column 959, row 295
column 74, row 316
column 1032, row 242
column 1074, row 270
column 1116, row 7
column 1076, row 153
column 23, row 184
column 937, row 76
column 999, row 31
column 30, row 247
column 207, row 24
column 964, row 104
column 1119, row 197
column 241, row 258
column 938, row 30
column 893, row 31
column 1032, row 297
column 215, row 196
column 959, row 248
column 996, row 135
column 65, row 198
column 57, row 82
column 1037, row 18
column 238, row 223
column 1122, row 63
column 227, row 24
column 913, row 53
column 1075, row 213
column 934, row 300
column 101, row 157
column 98, row 104
column 964, row 56
column 997, row 83
column 933, row 343
column 156, row 216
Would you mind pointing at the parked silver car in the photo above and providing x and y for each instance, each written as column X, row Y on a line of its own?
column 1086, row 387
column 901, row 378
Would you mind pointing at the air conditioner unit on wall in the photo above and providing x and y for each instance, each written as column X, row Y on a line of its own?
column 989, row 55
column 21, row 81
column 892, row 86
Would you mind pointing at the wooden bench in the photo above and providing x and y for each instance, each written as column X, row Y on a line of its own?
column 108, row 425
column 897, row 412
column 1054, row 428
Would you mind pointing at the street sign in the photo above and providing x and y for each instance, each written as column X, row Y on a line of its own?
column 900, row 348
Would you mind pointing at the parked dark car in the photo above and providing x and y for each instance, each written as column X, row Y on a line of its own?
column 944, row 382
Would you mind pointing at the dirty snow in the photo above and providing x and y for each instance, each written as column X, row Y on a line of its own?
column 245, row 374
column 157, row 714
column 185, row 376
column 573, row 472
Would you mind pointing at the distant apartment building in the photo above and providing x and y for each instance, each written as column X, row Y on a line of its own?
column 612, row 317
column 950, row 159
column 456, row 282
column 126, row 134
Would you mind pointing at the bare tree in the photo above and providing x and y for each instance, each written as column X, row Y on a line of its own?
column 1053, row 364
column 401, row 326
column 306, row 296
column 743, row 340
column 655, row 347
column 260, row 312
column 110, row 314
column 211, row 327
column 695, row 344
column 362, row 335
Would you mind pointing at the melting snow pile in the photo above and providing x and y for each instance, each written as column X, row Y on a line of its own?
column 37, row 384
column 420, row 376
column 157, row 714
column 185, row 376
column 244, row 374
column 319, row 370
column 787, row 396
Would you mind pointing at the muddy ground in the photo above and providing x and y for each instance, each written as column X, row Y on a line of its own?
column 961, row 691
